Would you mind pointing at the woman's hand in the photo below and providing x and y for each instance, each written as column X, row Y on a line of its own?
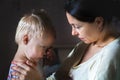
column 26, row 71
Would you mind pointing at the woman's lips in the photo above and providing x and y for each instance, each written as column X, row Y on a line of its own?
column 81, row 38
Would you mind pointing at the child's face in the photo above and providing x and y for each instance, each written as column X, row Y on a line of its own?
column 36, row 47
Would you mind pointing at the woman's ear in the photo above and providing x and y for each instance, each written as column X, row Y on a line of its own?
column 99, row 22
column 25, row 39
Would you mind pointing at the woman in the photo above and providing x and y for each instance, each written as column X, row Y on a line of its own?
column 97, row 24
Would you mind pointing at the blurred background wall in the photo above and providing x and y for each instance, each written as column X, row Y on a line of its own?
column 10, row 13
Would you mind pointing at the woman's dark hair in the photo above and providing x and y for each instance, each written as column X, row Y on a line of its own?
column 63, row 72
column 88, row 10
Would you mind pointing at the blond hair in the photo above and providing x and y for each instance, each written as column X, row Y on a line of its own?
column 34, row 24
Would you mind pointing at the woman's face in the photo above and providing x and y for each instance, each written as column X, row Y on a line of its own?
column 87, row 32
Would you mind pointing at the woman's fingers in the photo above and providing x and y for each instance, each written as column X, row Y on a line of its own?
column 23, row 66
column 33, row 65
column 19, row 76
column 26, row 71
column 19, row 70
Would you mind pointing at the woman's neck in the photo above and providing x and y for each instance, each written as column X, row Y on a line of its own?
column 101, row 43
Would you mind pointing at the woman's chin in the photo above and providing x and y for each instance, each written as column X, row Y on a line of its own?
column 86, row 42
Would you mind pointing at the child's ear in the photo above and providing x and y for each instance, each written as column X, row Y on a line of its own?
column 25, row 39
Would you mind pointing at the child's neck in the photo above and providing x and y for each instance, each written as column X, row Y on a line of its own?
column 20, row 56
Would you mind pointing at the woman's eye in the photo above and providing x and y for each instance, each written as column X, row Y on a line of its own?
column 78, row 27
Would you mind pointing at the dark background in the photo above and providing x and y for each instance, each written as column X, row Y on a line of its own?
column 10, row 13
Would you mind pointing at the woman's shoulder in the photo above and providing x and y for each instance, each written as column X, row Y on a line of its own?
column 113, row 46
column 112, row 50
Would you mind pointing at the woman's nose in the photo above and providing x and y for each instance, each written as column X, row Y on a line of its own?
column 74, row 32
